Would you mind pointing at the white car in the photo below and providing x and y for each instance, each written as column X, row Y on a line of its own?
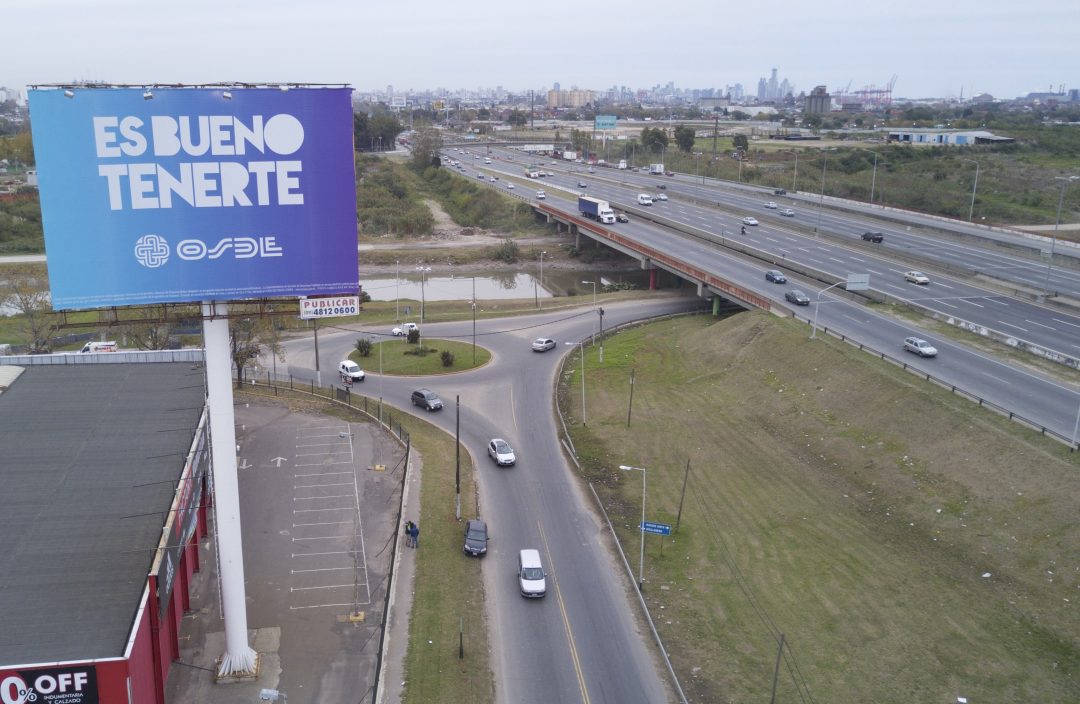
column 540, row 195
column 350, row 371
column 543, row 344
column 749, row 221
column 493, row 179
column 500, row 451
column 920, row 347
column 916, row 277
column 510, row 186
column 771, row 205
column 787, row 213
column 405, row 329
column 660, row 196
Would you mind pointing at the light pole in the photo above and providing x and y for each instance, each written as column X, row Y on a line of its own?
column 641, row 528
column 971, row 210
column 813, row 329
column 540, row 304
column 795, row 178
column 397, row 294
column 821, row 203
column 593, row 304
column 423, row 273
column 873, row 178
column 1065, row 181
column 581, row 346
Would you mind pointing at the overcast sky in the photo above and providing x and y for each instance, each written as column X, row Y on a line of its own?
column 935, row 47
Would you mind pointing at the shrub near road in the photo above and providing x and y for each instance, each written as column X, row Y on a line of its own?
column 910, row 546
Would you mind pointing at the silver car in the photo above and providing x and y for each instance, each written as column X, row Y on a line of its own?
column 500, row 451
column 920, row 347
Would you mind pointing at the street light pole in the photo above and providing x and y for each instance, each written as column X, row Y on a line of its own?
column 397, row 294
column 813, row 329
column 971, row 210
column 593, row 304
column 423, row 273
column 821, row 203
column 539, row 303
column 641, row 528
column 1065, row 181
column 873, row 178
column 795, row 178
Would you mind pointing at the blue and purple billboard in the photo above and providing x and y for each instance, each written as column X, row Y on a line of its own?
column 191, row 194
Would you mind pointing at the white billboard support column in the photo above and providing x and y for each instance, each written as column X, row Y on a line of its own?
column 239, row 658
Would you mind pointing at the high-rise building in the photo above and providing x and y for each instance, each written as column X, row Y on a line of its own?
column 819, row 102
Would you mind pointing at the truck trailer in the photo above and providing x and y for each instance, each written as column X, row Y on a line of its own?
column 657, row 169
column 596, row 209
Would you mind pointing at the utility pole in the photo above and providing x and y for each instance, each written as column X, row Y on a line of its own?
column 457, row 464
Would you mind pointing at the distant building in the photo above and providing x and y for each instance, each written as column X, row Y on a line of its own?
column 819, row 102
column 713, row 103
column 982, row 98
column 947, row 137
column 570, row 98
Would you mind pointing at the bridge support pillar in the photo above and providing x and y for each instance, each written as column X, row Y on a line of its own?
column 652, row 279
column 716, row 305
column 701, row 290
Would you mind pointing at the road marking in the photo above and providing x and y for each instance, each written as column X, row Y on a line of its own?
column 513, row 411
column 329, row 586
column 565, row 618
column 996, row 378
column 321, row 569
column 1000, row 303
column 318, row 474
column 1042, row 325
column 1013, row 326
column 836, row 260
column 943, row 285
column 874, row 271
column 324, row 523
column 320, row 464
column 972, row 303
column 322, row 537
column 938, row 300
column 319, row 606
column 312, row 510
column 330, row 496
column 315, row 486
column 1066, row 322
column 322, row 554
column 857, row 320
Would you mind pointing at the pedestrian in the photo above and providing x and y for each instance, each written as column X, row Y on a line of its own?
column 408, row 533
column 415, row 535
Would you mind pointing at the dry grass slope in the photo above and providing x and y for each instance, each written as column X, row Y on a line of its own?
column 840, row 501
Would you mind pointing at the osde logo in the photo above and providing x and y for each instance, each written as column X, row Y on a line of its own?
column 152, row 251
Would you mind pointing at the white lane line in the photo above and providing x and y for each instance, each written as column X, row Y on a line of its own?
column 836, row 260
column 330, row 496
column 313, row 486
column 935, row 300
column 1066, row 322
column 996, row 301
column 317, row 606
column 943, row 285
column 319, row 474
column 322, row 537
column 324, row 523
column 1042, row 325
column 972, row 303
column 874, row 271
column 313, row 510
column 321, row 569
column 329, row 586
column 996, row 378
column 1013, row 326
column 853, row 319
column 320, row 554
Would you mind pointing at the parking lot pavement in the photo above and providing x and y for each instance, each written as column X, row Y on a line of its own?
column 318, row 518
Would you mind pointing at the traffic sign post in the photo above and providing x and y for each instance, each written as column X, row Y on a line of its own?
column 656, row 528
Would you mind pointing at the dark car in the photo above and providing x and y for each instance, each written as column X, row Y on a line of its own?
column 777, row 277
column 797, row 297
column 779, row 192
column 619, row 217
column 427, row 399
column 873, row 236
column 669, row 173
column 476, row 537
column 661, row 185
column 582, row 184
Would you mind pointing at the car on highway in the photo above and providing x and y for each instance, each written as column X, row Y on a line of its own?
column 749, row 221
column 350, row 371
column 668, row 173
column 916, row 277
column 540, row 195
column 543, row 344
column 797, row 297
column 480, row 176
column 779, row 192
column 530, row 574
column 920, row 347
column 476, row 537
column 771, row 205
column 592, row 170
column 787, row 212
column 660, row 196
column 404, row 329
column 644, row 199
column 582, row 184
column 776, row 276
column 427, row 399
column 510, row 186
column 873, row 236
column 621, row 217
column 661, row 185
column 500, row 451
column 493, row 179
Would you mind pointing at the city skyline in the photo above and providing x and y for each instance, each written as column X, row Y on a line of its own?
column 1004, row 51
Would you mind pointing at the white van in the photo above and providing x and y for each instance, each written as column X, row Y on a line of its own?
column 350, row 370
column 109, row 346
column 531, row 575
column 644, row 199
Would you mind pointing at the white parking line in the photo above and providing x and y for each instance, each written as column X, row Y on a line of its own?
column 324, row 523
column 318, row 474
column 313, row 510
column 321, row 537
column 318, row 464
column 313, row 486
column 318, row 606
column 321, row 554
column 329, row 586
column 1042, row 325
column 321, row 569
column 1013, row 326
column 330, row 496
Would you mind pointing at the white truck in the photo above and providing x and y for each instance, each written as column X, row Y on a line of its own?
column 622, row 163
column 569, row 156
column 108, row 346
column 657, row 169
column 596, row 209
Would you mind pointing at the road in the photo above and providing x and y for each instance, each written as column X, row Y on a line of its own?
column 582, row 643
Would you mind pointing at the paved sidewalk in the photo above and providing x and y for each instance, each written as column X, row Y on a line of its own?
column 309, row 650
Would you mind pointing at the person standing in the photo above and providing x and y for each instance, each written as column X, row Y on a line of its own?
column 408, row 533
column 415, row 535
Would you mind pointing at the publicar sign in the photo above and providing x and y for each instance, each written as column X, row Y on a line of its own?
column 188, row 194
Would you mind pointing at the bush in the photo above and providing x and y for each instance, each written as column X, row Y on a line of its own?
column 447, row 358
column 413, row 336
column 363, row 347
column 506, row 252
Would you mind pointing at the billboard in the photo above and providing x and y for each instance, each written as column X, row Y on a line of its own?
column 604, row 122
column 189, row 194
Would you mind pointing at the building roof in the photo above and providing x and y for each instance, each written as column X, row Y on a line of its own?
column 89, row 457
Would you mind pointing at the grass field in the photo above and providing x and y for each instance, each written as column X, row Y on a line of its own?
column 395, row 359
column 910, row 546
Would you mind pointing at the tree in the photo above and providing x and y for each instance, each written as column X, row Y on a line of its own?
column 517, row 118
column 740, row 141
column 244, row 347
column 25, row 289
column 685, row 138
column 384, row 129
column 653, row 140
column 361, row 135
column 483, row 114
column 426, row 145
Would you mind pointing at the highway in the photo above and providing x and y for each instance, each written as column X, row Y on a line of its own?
column 951, row 296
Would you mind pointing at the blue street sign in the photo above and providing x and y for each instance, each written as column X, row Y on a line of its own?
column 656, row 528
